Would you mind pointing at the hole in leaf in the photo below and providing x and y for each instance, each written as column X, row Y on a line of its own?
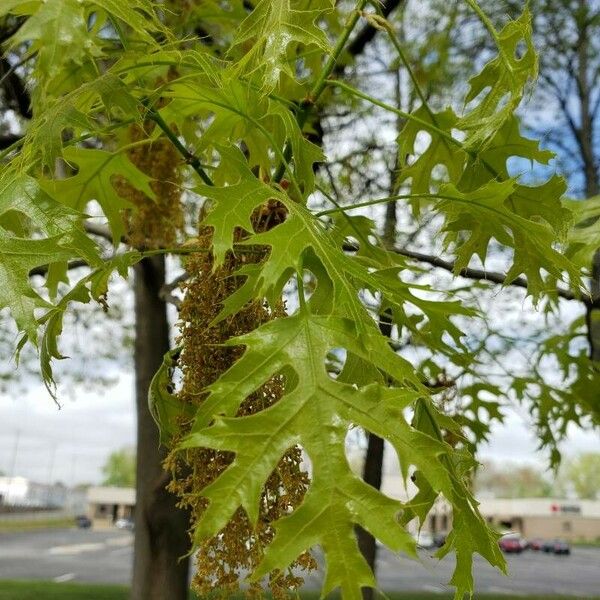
column 335, row 361
column 422, row 141
column 291, row 291
column 439, row 175
column 355, row 447
column 520, row 49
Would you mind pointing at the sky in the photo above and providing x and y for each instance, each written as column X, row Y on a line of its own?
column 71, row 444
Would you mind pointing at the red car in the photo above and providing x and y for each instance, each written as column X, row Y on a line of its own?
column 536, row 544
column 511, row 543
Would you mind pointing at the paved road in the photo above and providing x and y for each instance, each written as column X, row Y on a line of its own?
column 105, row 556
column 67, row 555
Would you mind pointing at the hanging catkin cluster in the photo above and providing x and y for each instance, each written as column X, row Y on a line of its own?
column 155, row 223
column 238, row 548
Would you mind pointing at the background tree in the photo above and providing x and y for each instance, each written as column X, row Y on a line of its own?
column 119, row 469
column 508, row 480
column 581, row 476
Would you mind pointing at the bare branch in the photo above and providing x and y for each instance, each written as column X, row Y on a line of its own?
column 43, row 269
column 482, row 275
column 166, row 291
column 99, row 230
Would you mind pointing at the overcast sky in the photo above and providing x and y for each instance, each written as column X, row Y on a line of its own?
column 71, row 444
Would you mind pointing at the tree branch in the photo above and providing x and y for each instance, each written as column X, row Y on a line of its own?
column 99, row 230
column 482, row 275
column 368, row 32
column 43, row 269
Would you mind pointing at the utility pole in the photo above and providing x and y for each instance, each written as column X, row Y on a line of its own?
column 15, row 453
column 13, row 465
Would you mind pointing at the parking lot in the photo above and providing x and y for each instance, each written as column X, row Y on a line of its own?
column 105, row 557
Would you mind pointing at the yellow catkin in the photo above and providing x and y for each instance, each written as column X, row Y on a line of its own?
column 238, row 548
column 154, row 223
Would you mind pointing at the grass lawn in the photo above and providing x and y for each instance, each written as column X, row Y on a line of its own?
column 42, row 590
column 11, row 526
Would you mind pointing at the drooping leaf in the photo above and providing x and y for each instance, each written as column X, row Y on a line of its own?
column 584, row 235
column 498, row 89
column 92, row 287
column 63, row 239
column 97, row 173
column 164, row 405
column 486, row 214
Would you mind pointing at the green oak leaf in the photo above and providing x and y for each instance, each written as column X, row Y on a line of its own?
column 56, row 32
column 64, row 239
column 240, row 113
column 93, row 286
column 166, row 408
column 474, row 218
column 139, row 15
column 301, row 242
column 498, row 89
column 337, row 499
column 583, row 240
column 439, row 151
column 271, row 28
column 18, row 256
column 491, row 161
column 74, row 114
column 95, row 178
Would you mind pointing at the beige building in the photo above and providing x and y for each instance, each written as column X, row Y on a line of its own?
column 107, row 504
column 545, row 517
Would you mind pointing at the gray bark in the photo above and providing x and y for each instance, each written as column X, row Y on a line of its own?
column 161, row 539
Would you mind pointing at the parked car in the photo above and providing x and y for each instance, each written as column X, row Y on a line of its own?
column 83, row 522
column 424, row 539
column 562, row 547
column 536, row 544
column 511, row 543
column 124, row 524
column 556, row 547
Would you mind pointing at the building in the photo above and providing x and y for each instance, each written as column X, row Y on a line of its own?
column 24, row 493
column 107, row 504
column 545, row 517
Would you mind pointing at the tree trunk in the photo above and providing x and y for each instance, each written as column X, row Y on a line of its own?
column 373, row 472
column 373, row 468
column 161, row 539
column 592, row 184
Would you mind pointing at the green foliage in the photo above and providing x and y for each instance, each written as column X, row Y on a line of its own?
column 97, row 173
column 273, row 30
column 245, row 106
column 63, row 239
column 582, row 475
column 513, row 481
column 119, row 468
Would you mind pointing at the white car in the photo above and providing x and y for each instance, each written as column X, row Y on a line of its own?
column 424, row 539
column 124, row 524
